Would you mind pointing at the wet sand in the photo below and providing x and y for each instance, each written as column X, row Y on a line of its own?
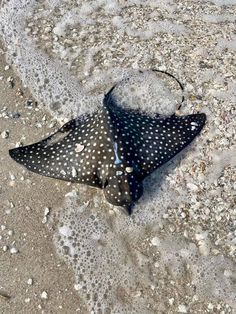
column 26, row 243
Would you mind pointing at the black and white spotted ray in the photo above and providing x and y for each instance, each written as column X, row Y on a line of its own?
column 113, row 149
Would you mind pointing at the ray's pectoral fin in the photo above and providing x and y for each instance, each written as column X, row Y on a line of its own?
column 170, row 135
column 50, row 157
column 62, row 155
column 37, row 157
column 181, row 130
column 30, row 154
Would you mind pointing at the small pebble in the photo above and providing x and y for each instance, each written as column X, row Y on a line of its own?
column 18, row 144
column 155, row 241
column 29, row 103
column 182, row 308
column 44, row 295
column 10, row 232
column 39, row 125
column 52, row 124
column 77, row 287
column 19, row 92
column 210, row 306
column 172, row 228
column 15, row 115
column 5, row 134
column 12, row 183
column 7, row 67
column 12, row 205
column 13, row 250
column 10, row 80
column 171, row 301
column 12, row 177
column 46, row 213
column 5, row 248
column 30, row 281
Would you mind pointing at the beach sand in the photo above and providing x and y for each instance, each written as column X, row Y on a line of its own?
column 24, row 197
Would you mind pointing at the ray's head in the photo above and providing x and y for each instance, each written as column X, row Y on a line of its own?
column 123, row 188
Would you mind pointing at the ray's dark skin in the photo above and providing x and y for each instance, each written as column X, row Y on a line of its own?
column 114, row 149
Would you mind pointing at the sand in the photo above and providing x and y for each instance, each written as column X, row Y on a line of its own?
column 23, row 199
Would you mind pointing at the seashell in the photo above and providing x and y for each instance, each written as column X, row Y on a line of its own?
column 79, row 148
column 129, row 169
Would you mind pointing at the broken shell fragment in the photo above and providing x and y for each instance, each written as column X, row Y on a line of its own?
column 74, row 172
column 119, row 173
column 79, row 148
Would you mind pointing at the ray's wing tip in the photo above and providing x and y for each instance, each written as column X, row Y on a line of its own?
column 202, row 117
column 12, row 153
column 199, row 119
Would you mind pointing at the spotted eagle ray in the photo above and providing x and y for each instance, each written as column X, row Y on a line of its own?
column 114, row 149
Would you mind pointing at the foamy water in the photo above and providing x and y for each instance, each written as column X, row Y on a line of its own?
column 165, row 255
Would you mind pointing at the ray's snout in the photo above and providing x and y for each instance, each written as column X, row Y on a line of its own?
column 123, row 192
